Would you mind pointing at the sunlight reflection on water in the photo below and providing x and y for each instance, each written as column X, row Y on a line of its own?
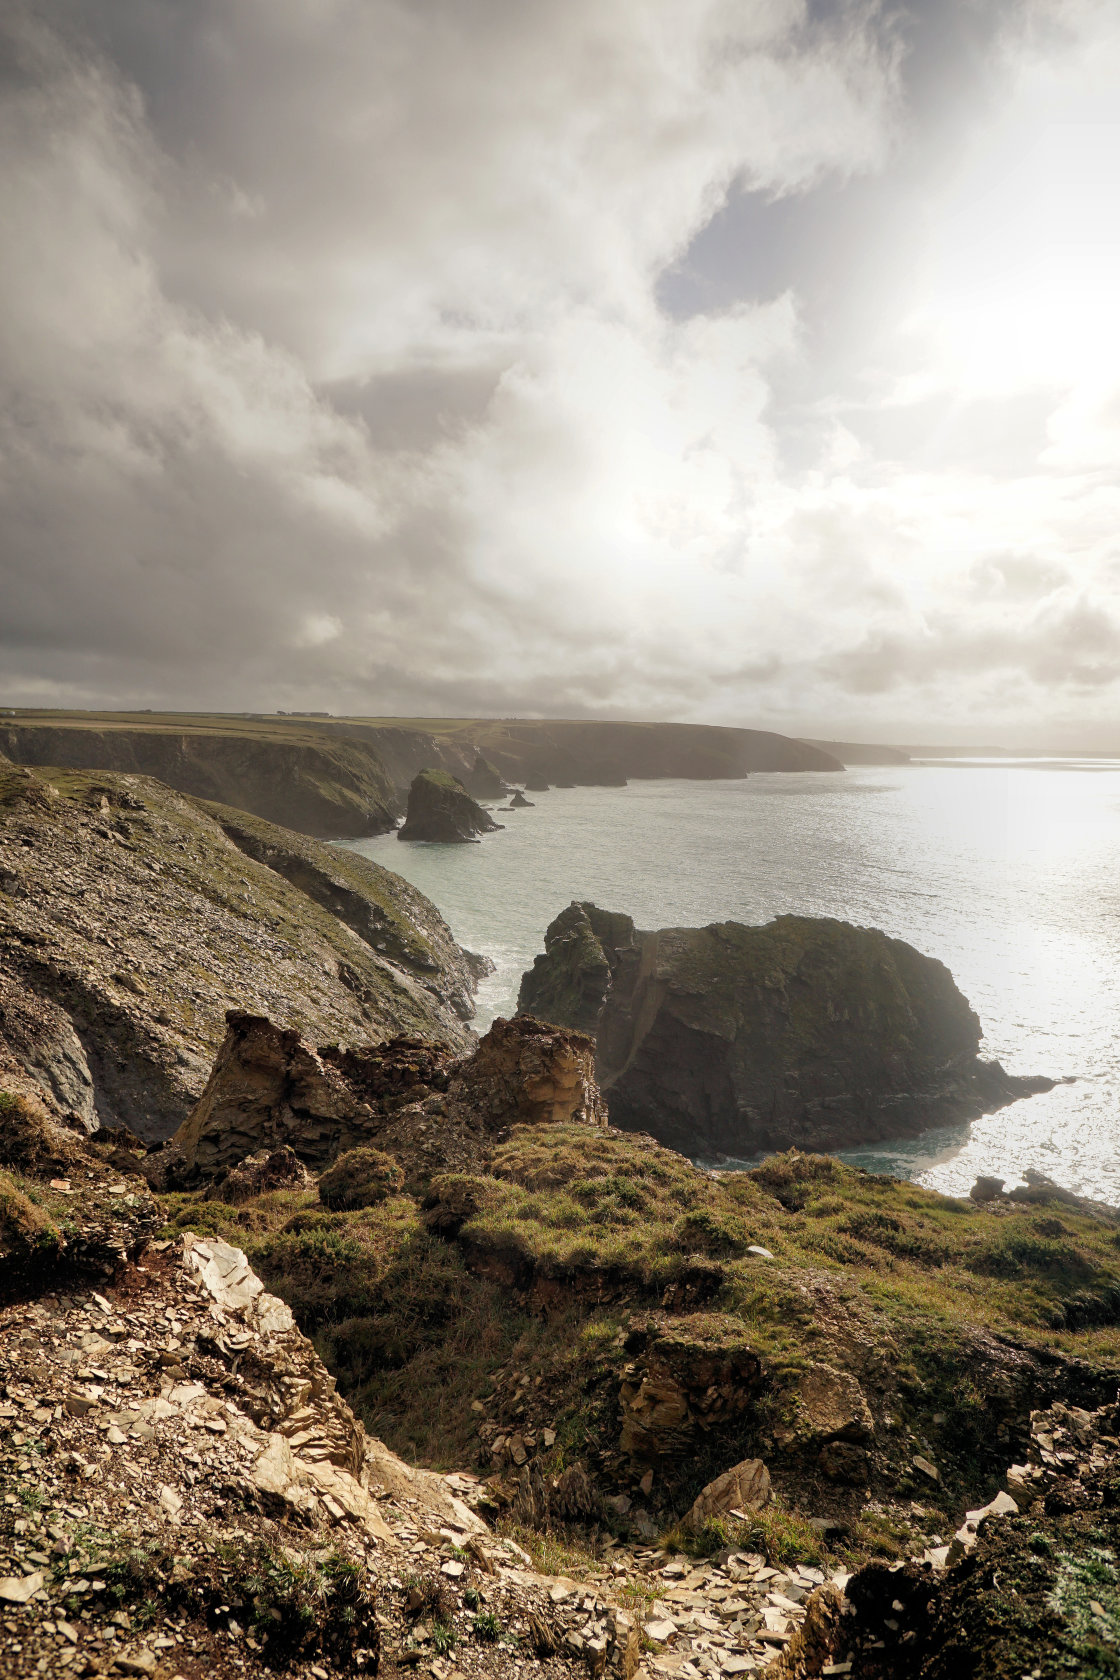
column 1006, row 872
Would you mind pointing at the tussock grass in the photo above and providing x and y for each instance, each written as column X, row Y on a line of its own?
column 528, row 1278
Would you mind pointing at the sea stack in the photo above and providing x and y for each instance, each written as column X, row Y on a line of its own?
column 731, row 1040
column 484, row 779
column 441, row 809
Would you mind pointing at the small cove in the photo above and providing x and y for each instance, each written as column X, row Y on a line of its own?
column 1006, row 872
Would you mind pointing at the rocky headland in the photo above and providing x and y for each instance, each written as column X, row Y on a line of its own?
column 730, row 1040
column 402, row 1357
column 132, row 919
column 441, row 810
column 348, row 777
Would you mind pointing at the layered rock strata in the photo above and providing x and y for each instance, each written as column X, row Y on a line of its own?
column 132, row 919
column 731, row 1040
column 270, row 1089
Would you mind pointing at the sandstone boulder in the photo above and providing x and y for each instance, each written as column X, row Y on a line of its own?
column 528, row 1073
column 745, row 1487
column 832, row 1406
column 730, row 1040
column 440, row 809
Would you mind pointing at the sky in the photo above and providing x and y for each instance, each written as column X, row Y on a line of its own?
column 736, row 361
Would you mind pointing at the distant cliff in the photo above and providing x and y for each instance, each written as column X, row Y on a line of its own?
column 349, row 777
column 862, row 752
column 302, row 777
column 732, row 1040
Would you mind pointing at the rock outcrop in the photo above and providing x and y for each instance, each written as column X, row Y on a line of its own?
column 484, row 780
column 440, row 809
column 195, row 1496
column 132, row 919
column 730, row 1040
column 269, row 1089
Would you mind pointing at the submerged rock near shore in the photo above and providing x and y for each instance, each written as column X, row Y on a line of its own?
column 441, row 809
column 730, row 1040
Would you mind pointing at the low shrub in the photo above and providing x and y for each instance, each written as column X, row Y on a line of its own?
column 360, row 1178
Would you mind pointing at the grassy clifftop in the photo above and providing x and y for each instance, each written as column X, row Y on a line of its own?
column 589, row 1297
column 299, row 776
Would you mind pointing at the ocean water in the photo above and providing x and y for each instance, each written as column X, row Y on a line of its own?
column 1007, row 872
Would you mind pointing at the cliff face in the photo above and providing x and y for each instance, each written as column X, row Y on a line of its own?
column 732, row 1040
column 593, row 752
column 306, row 780
column 345, row 778
column 131, row 919
column 441, row 809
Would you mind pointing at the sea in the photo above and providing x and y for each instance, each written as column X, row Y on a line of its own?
column 1005, row 870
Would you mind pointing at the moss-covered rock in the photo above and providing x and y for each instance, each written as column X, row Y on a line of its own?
column 730, row 1040
column 440, row 809
column 360, row 1178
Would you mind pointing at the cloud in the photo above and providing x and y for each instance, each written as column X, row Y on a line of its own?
column 335, row 372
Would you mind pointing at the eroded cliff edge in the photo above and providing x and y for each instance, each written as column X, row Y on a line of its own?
column 731, row 1040
column 132, row 918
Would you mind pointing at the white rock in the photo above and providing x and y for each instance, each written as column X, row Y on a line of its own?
column 17, row 1589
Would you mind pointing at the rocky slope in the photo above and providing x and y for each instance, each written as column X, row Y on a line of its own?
column 186, row 1494
column 440, row 809
column 705, row 1399
column 132, row 919
column 1028, row 1585
column 732, row 1040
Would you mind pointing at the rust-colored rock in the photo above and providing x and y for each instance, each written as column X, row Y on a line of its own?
column 269, row 1090
column 528, row 1073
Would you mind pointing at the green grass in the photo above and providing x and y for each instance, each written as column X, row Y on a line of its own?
column 546, row 1259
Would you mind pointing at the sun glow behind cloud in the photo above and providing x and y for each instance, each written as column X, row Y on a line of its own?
column 1024, row 268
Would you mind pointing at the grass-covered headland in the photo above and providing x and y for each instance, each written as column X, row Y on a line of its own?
column 589, row 1298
